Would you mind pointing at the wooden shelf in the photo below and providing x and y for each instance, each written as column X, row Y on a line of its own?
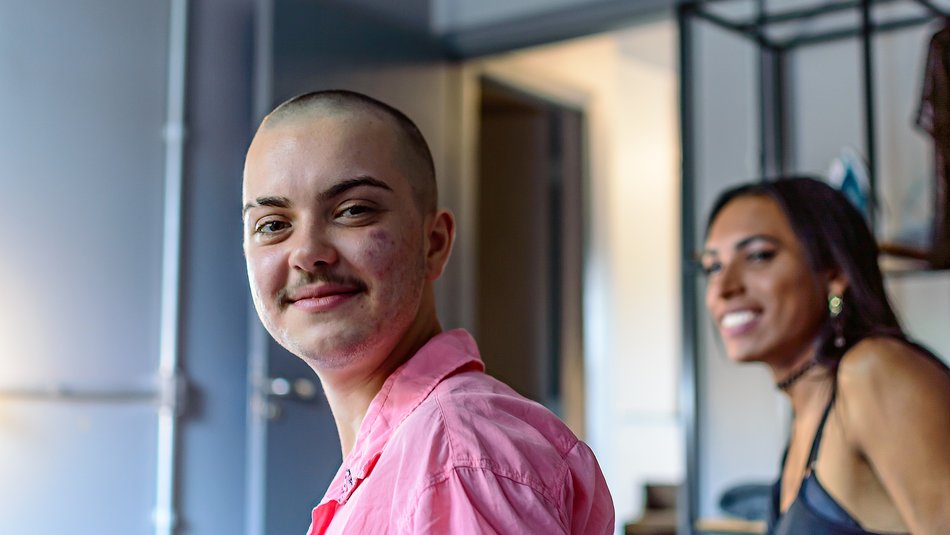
column 899, row 259
column 904, row 251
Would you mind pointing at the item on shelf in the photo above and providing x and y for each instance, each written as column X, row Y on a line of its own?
column 849, row 173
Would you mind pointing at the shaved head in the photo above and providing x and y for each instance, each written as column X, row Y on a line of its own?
column 414, row 153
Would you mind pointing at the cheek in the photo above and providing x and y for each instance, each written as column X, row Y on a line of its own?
column 796, row 296
column 265, row 271
column 381, row 253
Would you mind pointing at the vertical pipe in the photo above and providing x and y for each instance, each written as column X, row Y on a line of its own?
column 772, row 110
column 765, row 100
column 689, row 387
column 779, row 79
column 869, row 120
column 256, row 462
column 171, row 382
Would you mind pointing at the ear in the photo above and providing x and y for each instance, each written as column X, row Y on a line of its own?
column 440, row 235
column 837, row 282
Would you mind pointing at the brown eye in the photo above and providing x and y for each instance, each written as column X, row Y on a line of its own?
column 709, row 268
column 760, row 256
column 355, row 210
column 270, row 227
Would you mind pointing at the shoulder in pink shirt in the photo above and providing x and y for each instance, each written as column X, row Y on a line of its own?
column 445, row 448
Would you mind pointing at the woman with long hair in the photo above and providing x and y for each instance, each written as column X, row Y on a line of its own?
column 793, row 282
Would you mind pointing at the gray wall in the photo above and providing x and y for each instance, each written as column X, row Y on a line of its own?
column 215, row 299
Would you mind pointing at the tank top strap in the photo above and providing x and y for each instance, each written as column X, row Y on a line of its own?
column 816, row 442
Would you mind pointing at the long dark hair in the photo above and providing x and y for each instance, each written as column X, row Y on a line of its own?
column 835, row 237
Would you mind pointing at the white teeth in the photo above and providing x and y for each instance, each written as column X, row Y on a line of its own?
column 735, row 319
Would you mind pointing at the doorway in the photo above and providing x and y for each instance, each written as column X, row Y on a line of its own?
column 530, row 239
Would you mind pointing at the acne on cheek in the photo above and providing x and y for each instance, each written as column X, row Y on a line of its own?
column 380, row 250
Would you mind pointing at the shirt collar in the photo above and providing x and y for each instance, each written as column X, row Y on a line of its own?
column 443, row 355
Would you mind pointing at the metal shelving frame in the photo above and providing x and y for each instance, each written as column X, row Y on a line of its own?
column 773, row 160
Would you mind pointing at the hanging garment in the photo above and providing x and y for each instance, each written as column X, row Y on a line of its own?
column 934, row 117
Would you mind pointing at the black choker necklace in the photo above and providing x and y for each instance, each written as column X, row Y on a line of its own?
column 793, row 378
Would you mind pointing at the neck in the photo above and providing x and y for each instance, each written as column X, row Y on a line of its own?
column 350, row 391
column 798, row 378
column 793, row 376
column 803, row 380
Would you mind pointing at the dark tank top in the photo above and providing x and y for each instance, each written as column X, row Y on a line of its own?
column 814, row 511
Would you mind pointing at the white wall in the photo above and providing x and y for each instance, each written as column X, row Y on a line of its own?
column 829, row 107
column 922, row 303
column 626, row 83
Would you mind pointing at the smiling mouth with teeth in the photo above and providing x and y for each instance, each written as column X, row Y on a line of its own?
column 736, row 319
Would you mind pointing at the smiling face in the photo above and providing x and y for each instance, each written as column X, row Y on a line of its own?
column 767, row 303
column 339, row 255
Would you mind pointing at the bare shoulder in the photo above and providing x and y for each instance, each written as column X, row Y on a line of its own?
column 890, row 379
column 895, row 412
column 876, row 362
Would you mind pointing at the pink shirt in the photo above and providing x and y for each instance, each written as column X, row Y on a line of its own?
column 446, row 449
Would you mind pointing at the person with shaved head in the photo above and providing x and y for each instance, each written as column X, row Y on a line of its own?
column 343, row 241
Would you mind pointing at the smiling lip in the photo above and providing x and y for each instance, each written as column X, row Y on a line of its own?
column 738, row 322
column 322, row 298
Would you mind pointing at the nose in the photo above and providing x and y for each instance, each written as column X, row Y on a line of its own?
column 312, row 248
column 728, row 282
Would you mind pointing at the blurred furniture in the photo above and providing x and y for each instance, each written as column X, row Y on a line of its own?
column 747, row 506
column 748, row 501
column 659, row 511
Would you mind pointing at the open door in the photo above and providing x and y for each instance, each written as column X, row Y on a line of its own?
column 304, row 46
column 530, row 247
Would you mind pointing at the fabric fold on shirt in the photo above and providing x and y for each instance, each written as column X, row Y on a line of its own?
column 443, row 446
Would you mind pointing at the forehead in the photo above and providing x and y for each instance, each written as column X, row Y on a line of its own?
column 315, row 150
column 750, row 215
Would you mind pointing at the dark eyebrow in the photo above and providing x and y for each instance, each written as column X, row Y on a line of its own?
column 345, row 185
column 743, row 243
column 337, row 189
column 278, row 202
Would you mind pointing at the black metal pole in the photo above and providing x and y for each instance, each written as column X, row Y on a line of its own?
column 869, row 118
column 782, row 139
column 772, row 105
column 689, row 386
column 765, row 99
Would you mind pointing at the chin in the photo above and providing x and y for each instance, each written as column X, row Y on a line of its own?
column 740, row 355
column 337, row 346
column 333, row 349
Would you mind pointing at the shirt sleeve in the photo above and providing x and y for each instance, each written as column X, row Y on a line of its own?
column 479, row 500
column 471, row 500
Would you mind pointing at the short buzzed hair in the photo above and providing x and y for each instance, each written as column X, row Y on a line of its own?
column 421, row 167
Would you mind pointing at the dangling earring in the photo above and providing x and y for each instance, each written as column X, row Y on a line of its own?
column 835, row 304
